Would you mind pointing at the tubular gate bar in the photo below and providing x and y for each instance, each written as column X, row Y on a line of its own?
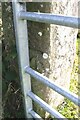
column 20, row 15
column 50, row 18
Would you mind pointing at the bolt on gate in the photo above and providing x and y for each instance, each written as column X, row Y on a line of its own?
column 20, row 23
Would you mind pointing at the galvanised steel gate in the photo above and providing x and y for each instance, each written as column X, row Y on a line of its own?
column 20, row 16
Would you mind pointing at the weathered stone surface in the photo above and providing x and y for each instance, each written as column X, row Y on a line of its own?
column 54, row 49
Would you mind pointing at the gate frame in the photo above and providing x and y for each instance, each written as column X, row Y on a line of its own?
column 20, row 24
column 21, row 34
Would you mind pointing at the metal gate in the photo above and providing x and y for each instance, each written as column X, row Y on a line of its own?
column 20, row 22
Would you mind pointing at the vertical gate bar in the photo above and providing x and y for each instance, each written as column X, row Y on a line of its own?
column 22, row 49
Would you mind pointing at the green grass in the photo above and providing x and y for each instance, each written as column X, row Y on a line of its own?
column 67, row 108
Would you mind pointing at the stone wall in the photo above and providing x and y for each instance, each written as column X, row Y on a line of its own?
column 52, row 50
